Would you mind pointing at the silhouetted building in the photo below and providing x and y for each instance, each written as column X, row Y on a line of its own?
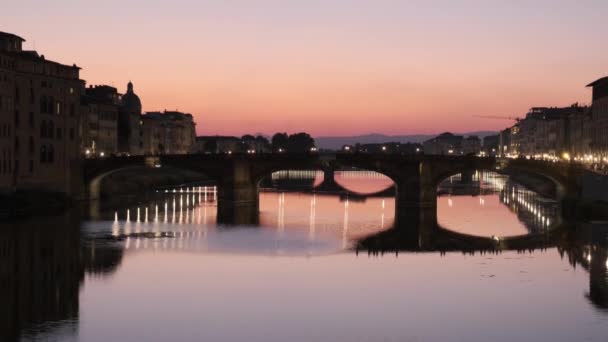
column 490, row 145
column 129, row 131
column 167, row 133
column 599, row 117
column 471, row 145
column 40, row 114
column 100, row 121
column 444, row 144
column 217, row 144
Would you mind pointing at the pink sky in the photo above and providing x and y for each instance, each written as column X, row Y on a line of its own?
column 328, row 67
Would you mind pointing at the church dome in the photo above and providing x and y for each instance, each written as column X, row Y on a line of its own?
column 130, row 101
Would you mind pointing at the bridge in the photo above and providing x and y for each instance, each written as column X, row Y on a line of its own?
column 416, row 177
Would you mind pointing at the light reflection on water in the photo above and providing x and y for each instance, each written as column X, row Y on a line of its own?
column 494, row 206
column 165, row 270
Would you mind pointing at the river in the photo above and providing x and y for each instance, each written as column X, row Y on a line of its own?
column 315, row 267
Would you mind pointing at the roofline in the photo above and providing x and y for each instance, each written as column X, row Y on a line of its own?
column 603, row 79
column 11, row 35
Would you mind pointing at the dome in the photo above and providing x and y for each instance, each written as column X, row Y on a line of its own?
column 130, row 101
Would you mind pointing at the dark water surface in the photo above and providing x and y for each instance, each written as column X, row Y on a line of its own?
column 314, row 268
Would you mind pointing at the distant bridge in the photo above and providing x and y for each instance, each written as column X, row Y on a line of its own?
column 416, row 177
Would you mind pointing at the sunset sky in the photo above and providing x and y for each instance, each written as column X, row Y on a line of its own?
column 328, row 67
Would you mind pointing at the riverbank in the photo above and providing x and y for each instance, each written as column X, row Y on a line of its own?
column 22, row 204
column 134, row 182
column 121, row 187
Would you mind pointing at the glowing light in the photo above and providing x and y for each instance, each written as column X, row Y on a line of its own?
column 102, row 154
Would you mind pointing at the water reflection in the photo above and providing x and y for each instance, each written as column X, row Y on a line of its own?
column 163, row 269
column 489, row 204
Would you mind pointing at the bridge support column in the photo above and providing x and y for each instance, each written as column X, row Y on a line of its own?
column 238, row 200
column 329, row 182
column 466, row 177
column 416, row 203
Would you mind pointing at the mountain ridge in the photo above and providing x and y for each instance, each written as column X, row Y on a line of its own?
column 336, row 142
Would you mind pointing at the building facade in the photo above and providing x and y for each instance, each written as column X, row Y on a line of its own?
column 100, row 121
column 40, row 132
column 599, row 120
column 168, row 132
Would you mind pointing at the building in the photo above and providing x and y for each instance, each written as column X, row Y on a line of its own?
column 100, row 121
column 40, row 136
column 444, row 144
column 130, row 140
column 490, row 145
column 599, row 120
column 471, row 145
column 168, row 132
column 217, row 144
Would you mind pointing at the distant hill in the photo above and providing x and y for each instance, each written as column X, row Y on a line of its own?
column 334, row 143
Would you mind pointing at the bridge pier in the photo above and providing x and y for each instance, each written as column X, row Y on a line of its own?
column 238, row 200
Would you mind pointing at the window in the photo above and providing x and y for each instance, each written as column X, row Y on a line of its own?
column 16, row 119
column 16, row 145
column 31, row 146
column 51, row 130
column 42, row 154
column 51, row 154
column 17, row 94
column 43, row 104
column 58, row 111
column 31, row 166
column 59, row 133
column 72, row 109
column 43, row 129
column 71, row 133
column 49, row 105
column 32, row 97
column 31, row 120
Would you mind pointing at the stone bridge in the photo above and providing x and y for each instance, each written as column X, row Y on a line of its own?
column 416, row 177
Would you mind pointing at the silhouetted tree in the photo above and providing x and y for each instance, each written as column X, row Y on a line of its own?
column 279, row 141
column 300, row 143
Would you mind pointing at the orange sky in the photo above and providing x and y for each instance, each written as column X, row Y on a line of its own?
column 328, row 67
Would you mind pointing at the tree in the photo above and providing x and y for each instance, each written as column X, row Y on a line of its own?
column 279, row 141
column 300, row 143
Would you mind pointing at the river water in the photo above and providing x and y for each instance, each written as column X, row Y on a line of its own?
column 314, row 267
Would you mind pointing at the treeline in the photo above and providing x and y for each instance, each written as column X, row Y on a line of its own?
column 279, row 143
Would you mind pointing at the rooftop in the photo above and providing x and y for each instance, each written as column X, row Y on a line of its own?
column 10, row 35
column 601, row 81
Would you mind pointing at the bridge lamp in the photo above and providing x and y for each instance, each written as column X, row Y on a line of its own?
column 383, row 148
column 313, row 149
column 102, row 154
